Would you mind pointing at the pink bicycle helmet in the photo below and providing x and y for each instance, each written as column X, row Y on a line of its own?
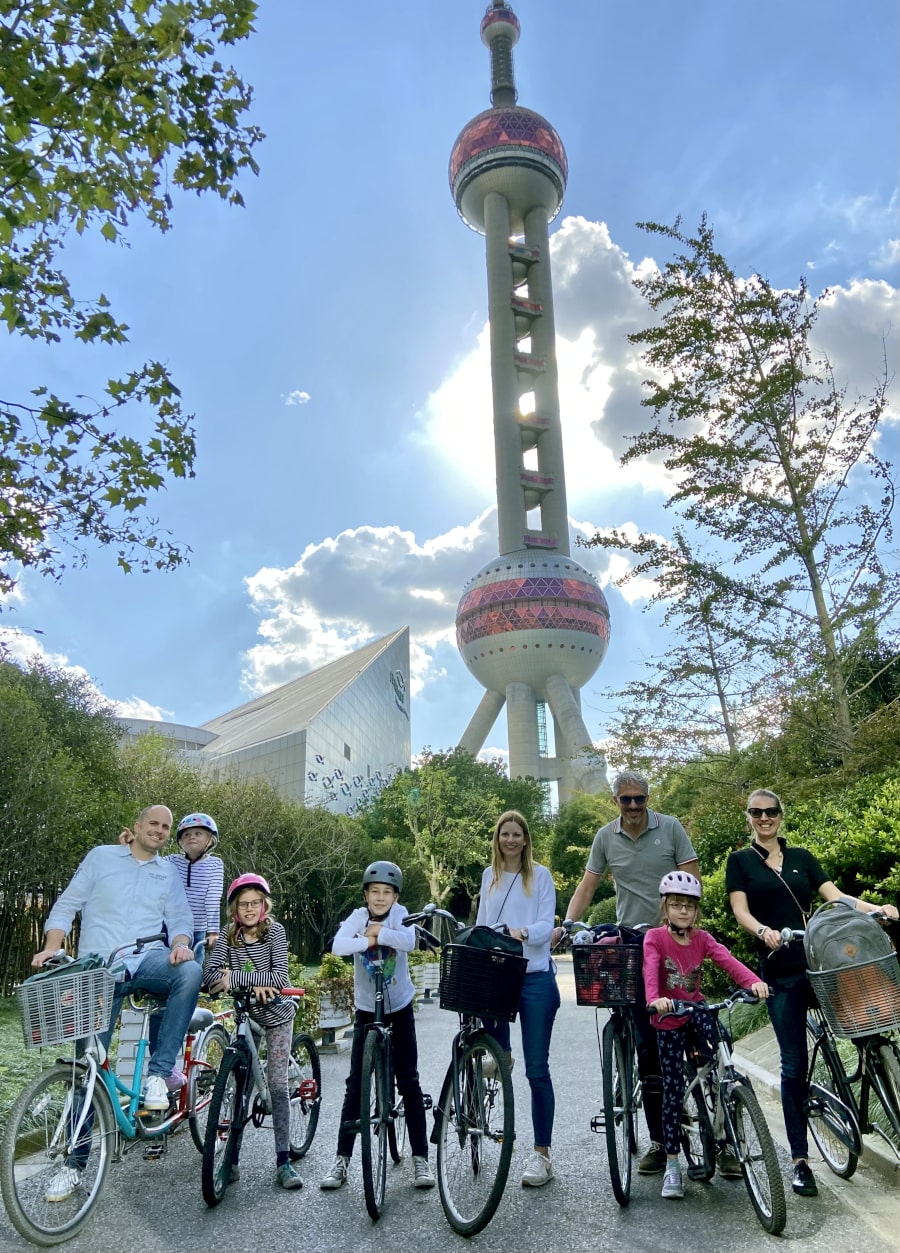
column 247, row 881
column 678, row 882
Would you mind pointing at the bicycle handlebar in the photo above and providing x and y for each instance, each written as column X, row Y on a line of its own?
column 737, row 996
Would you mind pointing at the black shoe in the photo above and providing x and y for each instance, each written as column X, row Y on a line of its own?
column 803, row 1182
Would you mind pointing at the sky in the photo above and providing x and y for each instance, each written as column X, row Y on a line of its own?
column 330, row 337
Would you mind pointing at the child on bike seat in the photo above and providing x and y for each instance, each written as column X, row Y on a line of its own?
column 673, row 957
column 253, row 953
column 376, row 930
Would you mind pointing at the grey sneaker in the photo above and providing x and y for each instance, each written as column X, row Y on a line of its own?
column 673, row 1188
column 422, row 1176
column 63, row 1184
column 489, row 1065
column 337, row 1176
column 288, row 1177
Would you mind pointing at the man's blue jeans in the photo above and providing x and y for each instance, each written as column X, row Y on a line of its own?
column 537, row 1010
column 180, row 985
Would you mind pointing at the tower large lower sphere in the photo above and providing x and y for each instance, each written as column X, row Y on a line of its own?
column 533, row 625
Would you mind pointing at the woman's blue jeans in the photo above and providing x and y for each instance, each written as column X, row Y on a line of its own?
column 537, row 1009
column 787, row 1008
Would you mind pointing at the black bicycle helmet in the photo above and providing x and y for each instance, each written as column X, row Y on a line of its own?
column 383, row 872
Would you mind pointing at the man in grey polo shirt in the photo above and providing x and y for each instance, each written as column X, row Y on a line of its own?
column 638, row 848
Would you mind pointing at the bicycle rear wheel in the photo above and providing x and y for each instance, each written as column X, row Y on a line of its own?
column 397, row 1130
column 884, row 1099
column 374, row 1118
column 832, row 1124
column 206, row 1058
column 697, row 1137
column 305, row 1087
column 224, row 1126
column 618, row 1115
column 475, row 1129
column 753, row 1147
column 51, row 1170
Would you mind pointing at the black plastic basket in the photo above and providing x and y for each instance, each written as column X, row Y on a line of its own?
column 606, row 974
column 862, row 999
column 485, row 982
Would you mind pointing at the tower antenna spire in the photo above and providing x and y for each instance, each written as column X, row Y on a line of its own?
column 532, row 625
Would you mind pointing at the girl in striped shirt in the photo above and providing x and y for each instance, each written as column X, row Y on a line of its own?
column 253, row 953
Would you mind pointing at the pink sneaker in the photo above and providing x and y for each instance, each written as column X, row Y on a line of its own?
column 176, row 1080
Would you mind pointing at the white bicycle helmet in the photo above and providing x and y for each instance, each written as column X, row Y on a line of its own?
column 678, row 882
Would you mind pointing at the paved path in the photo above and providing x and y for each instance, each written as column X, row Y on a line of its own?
column 157, row 1207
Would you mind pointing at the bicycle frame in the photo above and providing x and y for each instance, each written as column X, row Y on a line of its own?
column 867, row 1074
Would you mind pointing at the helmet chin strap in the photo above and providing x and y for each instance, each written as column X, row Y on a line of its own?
column 679, row 930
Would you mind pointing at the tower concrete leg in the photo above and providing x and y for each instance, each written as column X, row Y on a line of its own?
column 588, row 768
column 521, row 715
column 482, row 720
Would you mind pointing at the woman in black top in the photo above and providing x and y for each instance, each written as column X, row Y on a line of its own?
column 771, row 886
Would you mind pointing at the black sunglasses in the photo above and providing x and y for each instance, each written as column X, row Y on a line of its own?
column 632, row 800
column 772, row 811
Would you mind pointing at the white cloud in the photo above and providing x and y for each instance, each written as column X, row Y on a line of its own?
column 137, row 707
column 297, row 398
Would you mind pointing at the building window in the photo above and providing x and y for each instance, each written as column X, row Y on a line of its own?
column 347, row 751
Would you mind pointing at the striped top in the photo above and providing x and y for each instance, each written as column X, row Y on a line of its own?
column 256, row 964
column 204, row 883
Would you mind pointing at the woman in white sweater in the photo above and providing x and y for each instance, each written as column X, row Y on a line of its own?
column 516, row 891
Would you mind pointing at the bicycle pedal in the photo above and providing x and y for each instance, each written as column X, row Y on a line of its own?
column 598, row 1123
column 153, row 1152
column 427, row 1102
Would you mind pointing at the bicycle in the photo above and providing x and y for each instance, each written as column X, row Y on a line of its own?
column 720, row 1108
column 65, row 1126
column 474, row 1125
column 858, row 1004
column 382, row 1118
column 608, row 976
column 242, row 1095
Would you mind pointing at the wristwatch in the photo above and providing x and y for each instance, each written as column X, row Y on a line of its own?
column 524, row 933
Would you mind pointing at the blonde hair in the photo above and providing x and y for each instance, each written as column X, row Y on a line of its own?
column 764, row 791
column 233, row 933
column 527, row 871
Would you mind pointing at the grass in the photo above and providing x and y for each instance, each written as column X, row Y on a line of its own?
column 17, row 1064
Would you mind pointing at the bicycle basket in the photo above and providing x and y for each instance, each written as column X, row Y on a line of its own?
column 485, row 982
column 606, row 974
column 861, row 999
column 65, row 1007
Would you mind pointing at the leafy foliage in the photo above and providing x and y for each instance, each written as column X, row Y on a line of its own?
column 107, row 105
column 775, row 468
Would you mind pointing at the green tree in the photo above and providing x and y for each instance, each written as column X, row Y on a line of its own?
column 574, row 828
column 773, row 463
column 447, row 805
column 107, row 106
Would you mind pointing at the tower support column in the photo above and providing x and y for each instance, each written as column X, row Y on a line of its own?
column 588, row 773
column 521, row 722
column 482, row 720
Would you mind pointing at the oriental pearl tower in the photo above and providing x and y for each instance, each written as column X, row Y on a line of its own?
column 533, row 625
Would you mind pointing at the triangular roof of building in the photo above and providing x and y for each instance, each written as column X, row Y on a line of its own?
column 293, row 706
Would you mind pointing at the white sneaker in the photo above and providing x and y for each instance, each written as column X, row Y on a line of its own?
column 63, row 1184
column 489, row 1065
column 422, row 1176
column 155, row 1094
column 538, row 1172
column 673, row 1188
column 337, row 1176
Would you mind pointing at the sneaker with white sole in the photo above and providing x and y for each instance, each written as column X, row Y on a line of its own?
column 673, row 1188
column 422, row 1176
column 489, row 1065
column 63, row 1184
column 337, row 1176
column 176, row 1080
column 538, row 1172
column 155, row 1094
column 288, row 1177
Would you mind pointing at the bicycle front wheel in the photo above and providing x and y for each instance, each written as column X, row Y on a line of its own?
column 305, row 1087
column 475, row 1128
column 753, row 1147
column 618, row 1114
column 831, row 1123
column 374, row 1117
column 206, row 1058
column 53, row 1161
column 224, row 1126
column 697, row 1137
column 884, row 1099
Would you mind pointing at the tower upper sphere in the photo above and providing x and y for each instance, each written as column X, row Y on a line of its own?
column 506, row 149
